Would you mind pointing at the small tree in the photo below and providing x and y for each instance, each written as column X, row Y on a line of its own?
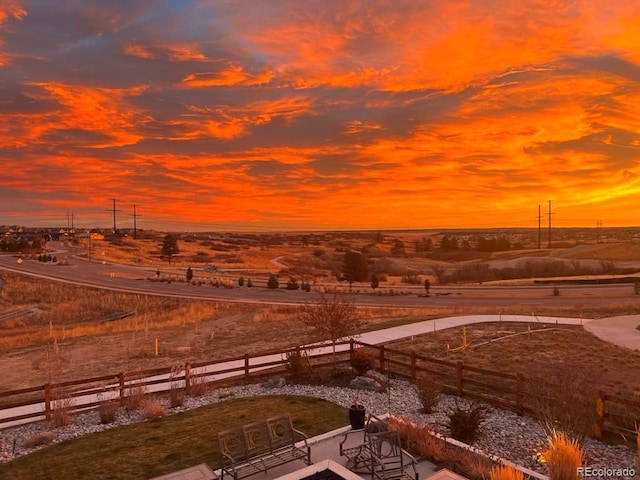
column 241, row 281
column 375, row 283
column 273, row 282
column 170, row 246
column 427, row 286
column 293, row 284
column 189, row 274
column 332, row 318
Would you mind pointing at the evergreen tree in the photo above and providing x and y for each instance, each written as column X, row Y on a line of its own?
column 273, row 282
column 355, row 268
column 170, row 246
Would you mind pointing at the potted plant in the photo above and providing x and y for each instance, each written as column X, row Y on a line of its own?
column 357, row 414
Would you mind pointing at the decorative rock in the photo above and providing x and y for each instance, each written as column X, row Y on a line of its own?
column 275, row 382
column 366, row 383
column 505, row 434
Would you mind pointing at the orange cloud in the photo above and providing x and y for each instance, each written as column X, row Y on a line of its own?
column 232, row 75
column 184, row 52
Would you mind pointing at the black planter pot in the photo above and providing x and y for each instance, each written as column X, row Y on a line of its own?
column 356, row 416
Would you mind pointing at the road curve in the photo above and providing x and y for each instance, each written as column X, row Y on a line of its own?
column 133, row 279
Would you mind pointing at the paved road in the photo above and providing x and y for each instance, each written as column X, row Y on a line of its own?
column 134, row 279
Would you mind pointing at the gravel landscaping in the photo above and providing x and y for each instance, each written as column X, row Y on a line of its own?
column 505, row 434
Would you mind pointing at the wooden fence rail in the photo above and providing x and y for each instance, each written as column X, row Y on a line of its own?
column 615, row 416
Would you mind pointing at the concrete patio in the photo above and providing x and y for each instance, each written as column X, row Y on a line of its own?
column 323, row 447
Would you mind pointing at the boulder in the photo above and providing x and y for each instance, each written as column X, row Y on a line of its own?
column 275, row 382
column 366, row 383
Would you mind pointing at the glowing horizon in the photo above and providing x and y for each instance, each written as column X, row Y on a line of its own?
column 320, row 115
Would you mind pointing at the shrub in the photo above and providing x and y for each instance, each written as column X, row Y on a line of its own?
column 198, row 386
column 249, row 283
column 428, row 394
column 241, row 281
column 61, row 409
column 39, row 439
column 423, row 443
column 293, row 284
column 152, row 408
column 273, row 282
column 176, row 393
column 176, row 398
column 505, row 473
column 297, row 362
column 136, row 394
column 360, row 361
column 464, row 423
column 107, row 411
column 556, row 394
column 563, row 456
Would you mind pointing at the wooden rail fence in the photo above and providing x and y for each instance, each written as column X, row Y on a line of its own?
column 615, row 417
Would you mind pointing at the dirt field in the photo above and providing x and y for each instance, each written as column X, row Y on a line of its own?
column 70, row 340
column 509, row 347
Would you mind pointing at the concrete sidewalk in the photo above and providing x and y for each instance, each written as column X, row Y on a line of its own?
column 622, row 331
column 428, row 326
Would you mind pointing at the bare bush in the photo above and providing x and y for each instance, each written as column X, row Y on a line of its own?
column 107, row 411
column 361, row 362
column 176, row 392
column 61, row 406
column 199, row 386
column 428, row 393
column 136, row 393
column 40, row 439
column 298, row 363
column 465, row 423
column 152, row 408
column 562, row 398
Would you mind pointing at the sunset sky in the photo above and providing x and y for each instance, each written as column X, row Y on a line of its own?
column 327, row 114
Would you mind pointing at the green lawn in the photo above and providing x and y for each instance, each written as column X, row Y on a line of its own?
column 156, row 447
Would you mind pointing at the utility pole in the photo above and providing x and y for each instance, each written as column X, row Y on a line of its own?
column 135, row 223
column 113, row 210
column 598, row 230
column 539, row 227
column 550, row 223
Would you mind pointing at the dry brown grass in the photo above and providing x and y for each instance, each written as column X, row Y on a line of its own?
column 638, row 445
column 615, row 368
column 199, row 386
column 505, row 472
column 152, row 408
column 61, row 408
column 74, row 312
column 136, row 394
column 420, row 441
column 563, row 456
column 40, row 439
column 107, row 411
